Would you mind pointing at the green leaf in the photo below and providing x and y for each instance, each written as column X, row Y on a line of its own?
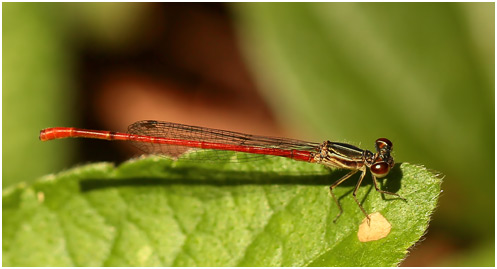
column 158, row 212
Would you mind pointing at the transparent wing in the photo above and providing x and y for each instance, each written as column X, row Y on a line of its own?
column 196, row 133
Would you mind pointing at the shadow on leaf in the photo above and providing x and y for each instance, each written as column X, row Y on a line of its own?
column 205, row 176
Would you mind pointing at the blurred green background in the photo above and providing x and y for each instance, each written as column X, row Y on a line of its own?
column 421, row 74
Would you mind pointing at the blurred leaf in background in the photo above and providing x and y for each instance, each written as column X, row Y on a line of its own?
column 36, row 88
column 40, row 41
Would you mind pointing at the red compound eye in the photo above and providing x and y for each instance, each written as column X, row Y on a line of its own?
column 380, row 169
column 383, row 143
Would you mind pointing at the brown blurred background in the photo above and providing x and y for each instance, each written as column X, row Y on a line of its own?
column 181, row 64
column 420, row 74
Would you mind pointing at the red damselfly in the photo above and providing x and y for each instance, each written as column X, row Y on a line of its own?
column 165, row 138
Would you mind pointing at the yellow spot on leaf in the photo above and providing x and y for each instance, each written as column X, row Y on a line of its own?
column 375, row 229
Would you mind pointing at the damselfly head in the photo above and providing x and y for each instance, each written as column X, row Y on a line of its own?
column 380, row 169
column 383, row 144
column 383, row 161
